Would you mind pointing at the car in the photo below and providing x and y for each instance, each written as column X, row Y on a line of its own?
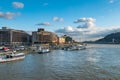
column 5, row 49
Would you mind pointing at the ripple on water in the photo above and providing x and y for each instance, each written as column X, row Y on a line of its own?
column 96, row 63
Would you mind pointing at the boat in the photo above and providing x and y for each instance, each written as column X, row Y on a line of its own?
column 12, row 57
column 81, row 47
column 44, row 50
column 75, row 47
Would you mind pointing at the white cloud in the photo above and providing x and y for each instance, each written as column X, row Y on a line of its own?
column 85, row 20
column 88, row 25
column 44, row 24
column 67, row 29
column 88, row 31
column 57, row 19
column 18, row 4
column 88, row 22
column 8, row 15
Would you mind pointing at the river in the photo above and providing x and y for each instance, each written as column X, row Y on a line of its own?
column 98, row 62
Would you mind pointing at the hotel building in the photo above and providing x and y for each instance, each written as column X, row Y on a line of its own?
column 13, row 37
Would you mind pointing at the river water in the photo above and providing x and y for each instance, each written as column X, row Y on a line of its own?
column 98, row 62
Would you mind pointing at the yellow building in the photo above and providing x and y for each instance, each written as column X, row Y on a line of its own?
column 61, row 40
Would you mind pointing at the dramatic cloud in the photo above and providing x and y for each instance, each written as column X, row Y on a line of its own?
column 18, row 5
column 8, row 15
column 86, row 33
column 87, row 22
column 87, row 25
column 57, row 19
column 88, row 30
column 44, row 24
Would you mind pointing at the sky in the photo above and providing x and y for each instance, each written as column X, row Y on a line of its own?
column 81, row 19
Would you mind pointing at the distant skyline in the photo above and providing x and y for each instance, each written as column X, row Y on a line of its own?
column 89, row 19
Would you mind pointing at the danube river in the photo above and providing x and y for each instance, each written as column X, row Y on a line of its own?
column 98, row 62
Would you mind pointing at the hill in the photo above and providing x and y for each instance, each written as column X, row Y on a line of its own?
column 113, row 38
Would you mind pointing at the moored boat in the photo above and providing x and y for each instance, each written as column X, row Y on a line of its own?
column 44, row 50
column 75, row 47
column 12, row 57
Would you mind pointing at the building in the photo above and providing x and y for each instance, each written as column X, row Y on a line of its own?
column 13, row 37
column 68, row 39
column 42, row 37
column 61, row 40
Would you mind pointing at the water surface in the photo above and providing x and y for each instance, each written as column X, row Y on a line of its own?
column 98, row 62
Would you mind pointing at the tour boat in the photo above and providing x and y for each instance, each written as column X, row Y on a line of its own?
column 12, row 57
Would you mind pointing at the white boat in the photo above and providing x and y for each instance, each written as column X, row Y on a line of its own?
column 44, row 50
column 12, row 57
column 75, row 47
column 81, row 47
